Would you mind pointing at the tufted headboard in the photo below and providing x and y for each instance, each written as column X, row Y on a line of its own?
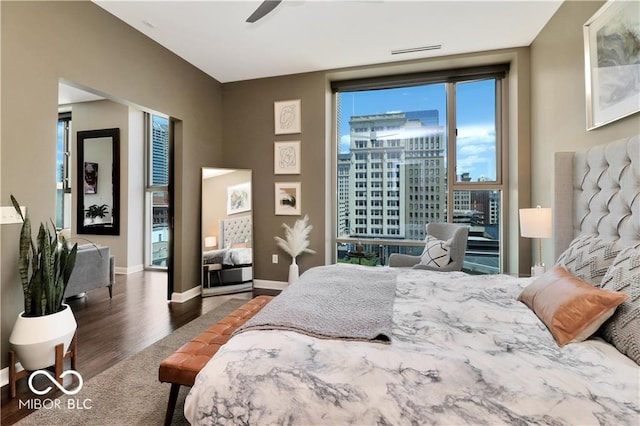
column 597, row 192
column 236, row 230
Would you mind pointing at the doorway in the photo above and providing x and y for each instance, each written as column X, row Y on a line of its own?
column 147, row 159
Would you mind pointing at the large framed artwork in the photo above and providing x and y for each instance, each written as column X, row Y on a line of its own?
column 286, row 158
column 239, row 198
column 287, row 117
column 288, row 200
column 612, row 62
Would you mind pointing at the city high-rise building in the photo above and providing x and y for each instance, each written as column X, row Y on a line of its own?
column 160, row 150
column 396, row 176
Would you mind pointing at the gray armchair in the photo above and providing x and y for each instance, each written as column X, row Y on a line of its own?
column 444, row 232
column 94, row 268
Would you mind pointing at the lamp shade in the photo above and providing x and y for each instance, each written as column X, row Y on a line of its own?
column 210, row 241
column 535, row 222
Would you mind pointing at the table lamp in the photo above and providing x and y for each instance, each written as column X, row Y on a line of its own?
column 536, row 223
column 210, row 241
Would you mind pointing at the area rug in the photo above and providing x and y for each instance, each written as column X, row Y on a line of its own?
column 129, row 393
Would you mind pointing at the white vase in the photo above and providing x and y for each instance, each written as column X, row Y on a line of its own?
column 35, row 338
column 293, row 271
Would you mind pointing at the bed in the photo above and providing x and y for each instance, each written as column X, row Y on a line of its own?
column 233, row 263
column 459, row 349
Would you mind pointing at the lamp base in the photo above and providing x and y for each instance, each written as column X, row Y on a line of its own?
column 537, row 270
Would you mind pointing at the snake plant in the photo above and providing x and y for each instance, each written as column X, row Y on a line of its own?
column 45, row 267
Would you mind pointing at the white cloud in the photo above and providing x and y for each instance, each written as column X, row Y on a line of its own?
column 345, row 144
column 476, row 145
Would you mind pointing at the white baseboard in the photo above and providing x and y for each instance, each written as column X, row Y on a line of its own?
column 270, row 285
column 4, row 374
column 187, row 295
column 129, row 270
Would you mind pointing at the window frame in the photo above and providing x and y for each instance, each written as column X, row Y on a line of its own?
column 150, row 188
column 65, row 186
column 450, row 78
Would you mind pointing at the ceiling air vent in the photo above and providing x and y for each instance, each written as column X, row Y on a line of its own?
column 416, row 49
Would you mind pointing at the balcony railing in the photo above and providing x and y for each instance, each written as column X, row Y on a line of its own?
column 481, row 257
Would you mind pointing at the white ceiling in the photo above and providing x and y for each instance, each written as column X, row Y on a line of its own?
column 303, row 36
column 68, row 94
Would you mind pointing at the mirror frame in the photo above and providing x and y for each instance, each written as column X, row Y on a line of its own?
column 82, row 137
column 220, row 200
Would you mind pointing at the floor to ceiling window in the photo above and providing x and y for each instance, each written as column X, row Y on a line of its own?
column 418, row 149
column 157, row 191
column 63, row 182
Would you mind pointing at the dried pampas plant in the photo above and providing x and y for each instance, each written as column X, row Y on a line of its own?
column 296, row 239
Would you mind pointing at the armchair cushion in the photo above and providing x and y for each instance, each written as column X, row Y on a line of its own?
column 436, row 252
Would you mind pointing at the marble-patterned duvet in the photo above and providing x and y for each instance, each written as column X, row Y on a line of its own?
column 464, row 351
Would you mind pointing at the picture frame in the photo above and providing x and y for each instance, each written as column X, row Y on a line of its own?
column 239, row 198
column 287, row 117
column 286, row 158
column 90, row 177
column 612, row 63
column 288, row 198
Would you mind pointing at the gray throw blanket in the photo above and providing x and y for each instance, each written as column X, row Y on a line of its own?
column 345, row 302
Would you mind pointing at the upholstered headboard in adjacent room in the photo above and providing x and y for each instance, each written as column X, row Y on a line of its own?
column 597, row 192
column 236, row 230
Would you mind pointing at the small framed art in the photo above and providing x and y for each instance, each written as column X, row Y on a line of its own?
column 239, row 198
column 288, row 200
column 286, row 158
column 287, row 117
column 90, row 178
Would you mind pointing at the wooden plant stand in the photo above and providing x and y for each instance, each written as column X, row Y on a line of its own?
column 58, row 367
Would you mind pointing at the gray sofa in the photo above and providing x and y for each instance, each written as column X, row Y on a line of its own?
column 94, row 268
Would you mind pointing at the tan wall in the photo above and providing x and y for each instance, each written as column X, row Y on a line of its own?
column 558, row 104
column 248, row 143
column 102, row 53
column 132, row 186
column 94, row 116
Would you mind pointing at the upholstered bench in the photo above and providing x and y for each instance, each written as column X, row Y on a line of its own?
column 182, row 367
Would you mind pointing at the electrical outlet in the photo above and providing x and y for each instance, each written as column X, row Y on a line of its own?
column 10, row 215
column 274, row 258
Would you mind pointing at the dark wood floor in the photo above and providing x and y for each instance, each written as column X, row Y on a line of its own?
column 110, row 330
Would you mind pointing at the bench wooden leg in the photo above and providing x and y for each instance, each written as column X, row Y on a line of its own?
column 171, row 405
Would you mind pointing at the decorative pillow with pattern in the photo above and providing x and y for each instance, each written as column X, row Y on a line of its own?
column 588, row 258
column 436, row 252
column 622, row 330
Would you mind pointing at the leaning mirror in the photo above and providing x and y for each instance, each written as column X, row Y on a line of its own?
column 98, row 182
column 227, row 231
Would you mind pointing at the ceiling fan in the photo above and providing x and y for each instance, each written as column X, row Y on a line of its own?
column 264, row 8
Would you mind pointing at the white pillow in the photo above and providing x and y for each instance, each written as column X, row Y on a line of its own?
column 436, row 253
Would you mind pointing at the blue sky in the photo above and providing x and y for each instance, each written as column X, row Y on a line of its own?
column 475, row 114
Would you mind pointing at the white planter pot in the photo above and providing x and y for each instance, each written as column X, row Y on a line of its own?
column 35, row 338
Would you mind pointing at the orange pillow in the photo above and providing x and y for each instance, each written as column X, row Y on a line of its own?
column 570, row 308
